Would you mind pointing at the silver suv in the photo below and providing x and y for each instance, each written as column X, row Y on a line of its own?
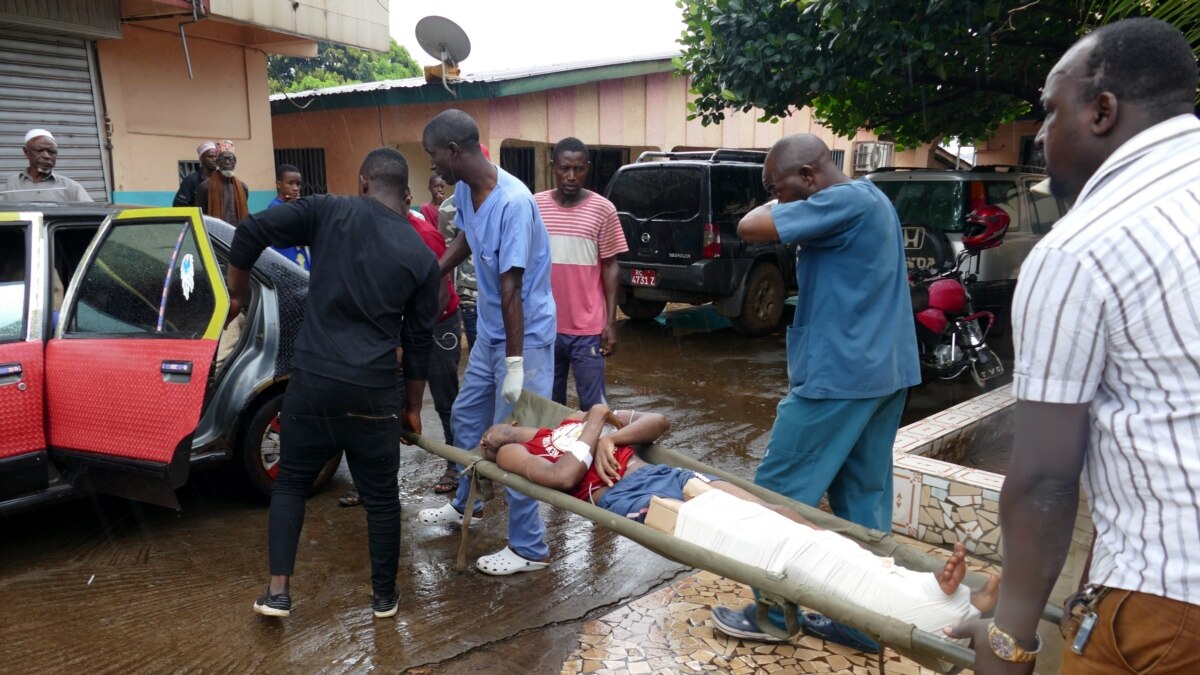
column 933, row 205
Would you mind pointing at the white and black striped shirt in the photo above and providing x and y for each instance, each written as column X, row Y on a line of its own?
column 1107, row 312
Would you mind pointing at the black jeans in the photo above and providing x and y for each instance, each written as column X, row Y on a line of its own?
column 467, row 309
column 321, row 416
column 443, row 371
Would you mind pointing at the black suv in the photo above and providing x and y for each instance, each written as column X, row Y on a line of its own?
column 679, row 212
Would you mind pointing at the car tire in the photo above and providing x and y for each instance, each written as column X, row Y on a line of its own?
column 642, row 310
column 258, row 452
column 763, row 305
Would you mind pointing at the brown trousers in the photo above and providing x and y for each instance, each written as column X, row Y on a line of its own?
column 1139, row 633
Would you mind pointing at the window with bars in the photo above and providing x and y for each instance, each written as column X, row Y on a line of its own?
column 186, row 167
column 605, row 162
column 839, row 159
column 311, row 162
column 520, row 163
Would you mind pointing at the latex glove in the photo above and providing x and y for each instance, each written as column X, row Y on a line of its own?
column 514, row 381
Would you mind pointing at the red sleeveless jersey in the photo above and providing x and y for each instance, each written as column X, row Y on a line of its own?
column 553, row 443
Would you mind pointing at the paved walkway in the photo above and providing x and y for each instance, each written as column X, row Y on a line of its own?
column 671, row 631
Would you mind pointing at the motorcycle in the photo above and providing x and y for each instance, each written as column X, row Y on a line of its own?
column 950, row 333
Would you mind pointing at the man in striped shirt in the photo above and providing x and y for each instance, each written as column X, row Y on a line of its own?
column 585, row 238
column 1106, row 328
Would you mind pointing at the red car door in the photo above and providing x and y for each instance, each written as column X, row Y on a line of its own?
column 128, row 368
column 23, row 291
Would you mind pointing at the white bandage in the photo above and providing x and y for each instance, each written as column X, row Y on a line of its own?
column 581, row 451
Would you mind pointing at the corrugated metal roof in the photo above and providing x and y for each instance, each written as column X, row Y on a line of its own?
column 486, row 77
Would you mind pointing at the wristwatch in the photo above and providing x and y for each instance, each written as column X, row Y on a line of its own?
column 1005, row 646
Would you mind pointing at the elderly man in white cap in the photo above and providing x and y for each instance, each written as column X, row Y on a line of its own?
column 207, row 152
column 39, row 183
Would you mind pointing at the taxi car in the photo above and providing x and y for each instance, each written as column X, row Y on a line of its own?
column 110, row 319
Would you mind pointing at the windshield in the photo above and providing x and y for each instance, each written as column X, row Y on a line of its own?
column 937, row 203
column 663, row 193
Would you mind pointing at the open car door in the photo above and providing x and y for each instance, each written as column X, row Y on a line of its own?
column 128, row 367
column 23, row 289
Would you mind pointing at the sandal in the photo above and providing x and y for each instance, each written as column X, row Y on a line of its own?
column 350, row 498
column 448, row 482
column 507, row 561
column 821, row 626
column 742, row 624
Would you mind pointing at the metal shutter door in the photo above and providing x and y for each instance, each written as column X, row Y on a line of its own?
column 46, row 81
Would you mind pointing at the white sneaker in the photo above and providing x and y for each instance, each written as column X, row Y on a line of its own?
column 445, row 514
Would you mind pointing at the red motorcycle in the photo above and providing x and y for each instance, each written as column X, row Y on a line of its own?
column 950, row 333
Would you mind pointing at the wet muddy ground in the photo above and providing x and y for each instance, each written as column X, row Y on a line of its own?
column 104, row 585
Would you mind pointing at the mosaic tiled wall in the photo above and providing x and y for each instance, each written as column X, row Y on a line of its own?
column 940, row 501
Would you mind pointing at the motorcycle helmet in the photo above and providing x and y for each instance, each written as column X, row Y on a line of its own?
column 985, row 227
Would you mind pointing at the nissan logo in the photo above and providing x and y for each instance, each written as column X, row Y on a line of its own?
column 645, row 237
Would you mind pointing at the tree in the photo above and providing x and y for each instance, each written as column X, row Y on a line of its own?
column 910, row 71
column 336, row 64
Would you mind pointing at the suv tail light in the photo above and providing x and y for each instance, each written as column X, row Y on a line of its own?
column 978, row 195
column 711, row 244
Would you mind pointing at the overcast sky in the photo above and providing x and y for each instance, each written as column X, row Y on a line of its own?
column 522, row 33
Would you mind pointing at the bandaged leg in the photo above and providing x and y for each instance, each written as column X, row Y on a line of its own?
column 825, row 561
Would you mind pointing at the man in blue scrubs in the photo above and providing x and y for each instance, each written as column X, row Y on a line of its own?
column 500, row 227
column 852, row 350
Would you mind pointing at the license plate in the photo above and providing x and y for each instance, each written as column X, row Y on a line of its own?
column 642, row 277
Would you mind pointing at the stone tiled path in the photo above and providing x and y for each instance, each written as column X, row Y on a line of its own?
column 671, row 631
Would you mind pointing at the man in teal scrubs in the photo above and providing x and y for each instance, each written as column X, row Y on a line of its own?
column 852, row 350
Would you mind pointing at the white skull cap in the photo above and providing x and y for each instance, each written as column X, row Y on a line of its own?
column 34, row 133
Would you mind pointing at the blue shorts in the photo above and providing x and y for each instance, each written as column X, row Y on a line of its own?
column 630, row 496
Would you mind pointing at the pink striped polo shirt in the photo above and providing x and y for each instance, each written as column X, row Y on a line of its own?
column 580, row 237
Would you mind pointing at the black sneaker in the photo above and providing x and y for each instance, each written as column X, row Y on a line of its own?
column 385, row 606
column 273, row 605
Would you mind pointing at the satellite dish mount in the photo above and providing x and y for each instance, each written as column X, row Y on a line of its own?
column 445, row 41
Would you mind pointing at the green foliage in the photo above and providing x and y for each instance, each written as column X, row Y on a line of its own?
column 336, row 64
column 909, row 70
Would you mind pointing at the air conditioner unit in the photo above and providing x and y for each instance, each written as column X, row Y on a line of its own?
column 871, row 155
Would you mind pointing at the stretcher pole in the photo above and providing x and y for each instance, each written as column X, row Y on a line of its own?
column 885, row 629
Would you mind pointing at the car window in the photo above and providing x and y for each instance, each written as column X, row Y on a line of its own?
column 735, row 191
column 938, row 204
column 1007, row 195
column 146, row 279
column 1044, row 209
column 14, row 261
column 665, row 193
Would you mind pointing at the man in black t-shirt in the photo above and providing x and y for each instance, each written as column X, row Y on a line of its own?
column 186, row 196
column 373, row 288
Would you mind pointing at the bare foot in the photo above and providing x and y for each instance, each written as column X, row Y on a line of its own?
column 950, row 578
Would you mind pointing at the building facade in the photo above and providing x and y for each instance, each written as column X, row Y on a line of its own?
column 129, row 88
column 620, row 109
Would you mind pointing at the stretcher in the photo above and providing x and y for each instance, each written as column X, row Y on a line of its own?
column 928, row 649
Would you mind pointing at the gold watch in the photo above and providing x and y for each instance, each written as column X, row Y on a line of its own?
column 1006, row 648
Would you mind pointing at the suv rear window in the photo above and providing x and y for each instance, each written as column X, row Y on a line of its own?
column 937, row 203
column 663, row 193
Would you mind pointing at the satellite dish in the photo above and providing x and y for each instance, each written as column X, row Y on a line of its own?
column 442, row 39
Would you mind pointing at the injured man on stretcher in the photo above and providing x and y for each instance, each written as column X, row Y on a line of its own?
column 590, row 456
